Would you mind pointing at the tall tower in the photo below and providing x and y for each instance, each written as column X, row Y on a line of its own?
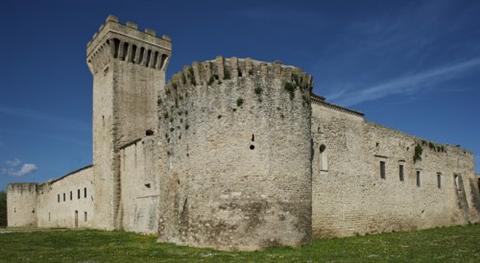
column 128, row 68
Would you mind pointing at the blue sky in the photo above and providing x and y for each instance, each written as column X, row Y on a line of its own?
column 409, row 65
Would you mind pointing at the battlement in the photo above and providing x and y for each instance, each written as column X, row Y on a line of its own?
column 22, row 187
column 126, row 42
column 211, row 72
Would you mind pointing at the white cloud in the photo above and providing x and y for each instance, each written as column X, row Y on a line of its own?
column 16, row 168
column 407, row 85
column 27, row 168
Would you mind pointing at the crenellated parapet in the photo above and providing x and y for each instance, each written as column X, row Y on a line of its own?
column 125, row 42
column 214, row 72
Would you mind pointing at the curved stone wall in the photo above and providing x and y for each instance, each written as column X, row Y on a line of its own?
column 234, row 146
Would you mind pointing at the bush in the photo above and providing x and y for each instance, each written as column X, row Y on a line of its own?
column 3, row 209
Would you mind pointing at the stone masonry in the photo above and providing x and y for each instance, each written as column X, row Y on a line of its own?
column 238, row 154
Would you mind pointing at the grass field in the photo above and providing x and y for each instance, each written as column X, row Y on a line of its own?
column 452, row 244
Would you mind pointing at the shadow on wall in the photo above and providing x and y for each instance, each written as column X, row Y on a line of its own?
column 3, row 209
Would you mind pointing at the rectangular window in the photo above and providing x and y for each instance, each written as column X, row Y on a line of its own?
column 64, row 197
column 58, row 198
column 85, row 192
column 85, row 216
column 418, row 178
column 400, row 172
column 49, row 218
column 439, row 180
column 78, row 193
column 71, row 196
column 382, row 169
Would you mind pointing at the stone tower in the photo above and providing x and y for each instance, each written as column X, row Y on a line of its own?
column 235, row 147
column 128, row 68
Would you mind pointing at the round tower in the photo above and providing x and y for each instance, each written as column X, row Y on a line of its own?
column 235, row 155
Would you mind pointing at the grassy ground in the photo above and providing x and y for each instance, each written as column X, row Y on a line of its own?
column 452, row 244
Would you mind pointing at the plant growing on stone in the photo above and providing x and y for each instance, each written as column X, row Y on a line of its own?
column 211, row 80
column 290, row 88
column 417, row 156
column 239, row 102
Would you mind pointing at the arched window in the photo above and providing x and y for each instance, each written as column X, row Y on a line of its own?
column 322, row 158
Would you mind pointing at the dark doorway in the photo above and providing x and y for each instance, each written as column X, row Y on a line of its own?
column 76, row 218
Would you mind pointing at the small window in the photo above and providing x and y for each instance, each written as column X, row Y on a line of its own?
column 71, row 195
column 85, row 192
column 418, row 178
column 439, row 180
column 64, row 197
column 78, row 193
column 58, row 198
column 49, row 218
column 400, row 172
column 382, row 169
column 85, row 216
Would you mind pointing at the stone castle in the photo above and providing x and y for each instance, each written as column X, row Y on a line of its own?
column 238, row 154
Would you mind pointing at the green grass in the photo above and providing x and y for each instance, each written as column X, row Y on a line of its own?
column 452, row 244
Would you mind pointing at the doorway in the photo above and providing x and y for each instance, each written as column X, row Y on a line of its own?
column 76, row 218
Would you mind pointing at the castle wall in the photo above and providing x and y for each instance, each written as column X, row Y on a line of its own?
column 350, row 196
column 140, row 187
column 21, row 204
column 234, row 148
column 68, row 201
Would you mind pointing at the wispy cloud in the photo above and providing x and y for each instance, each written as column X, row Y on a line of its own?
column 18, row 169
column 401, row 51
column 408, row 85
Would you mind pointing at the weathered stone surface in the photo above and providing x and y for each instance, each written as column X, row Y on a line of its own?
column 350, row 197
column 235, row 147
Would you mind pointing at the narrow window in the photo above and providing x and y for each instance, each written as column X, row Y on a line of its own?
column 78, row 193
column 85, row 216
column 85, row 192
column 49, row 218
column 439, row 180
column 58, row 198
column 71, row 195
column 418, row 178
column 322, row 158
column 400, row 172
column 64, row 197
column 382, row 169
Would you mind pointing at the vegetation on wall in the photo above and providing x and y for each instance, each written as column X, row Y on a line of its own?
column 417, row 156
column 290, row 88
column 239, row 102
column 3, row 209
